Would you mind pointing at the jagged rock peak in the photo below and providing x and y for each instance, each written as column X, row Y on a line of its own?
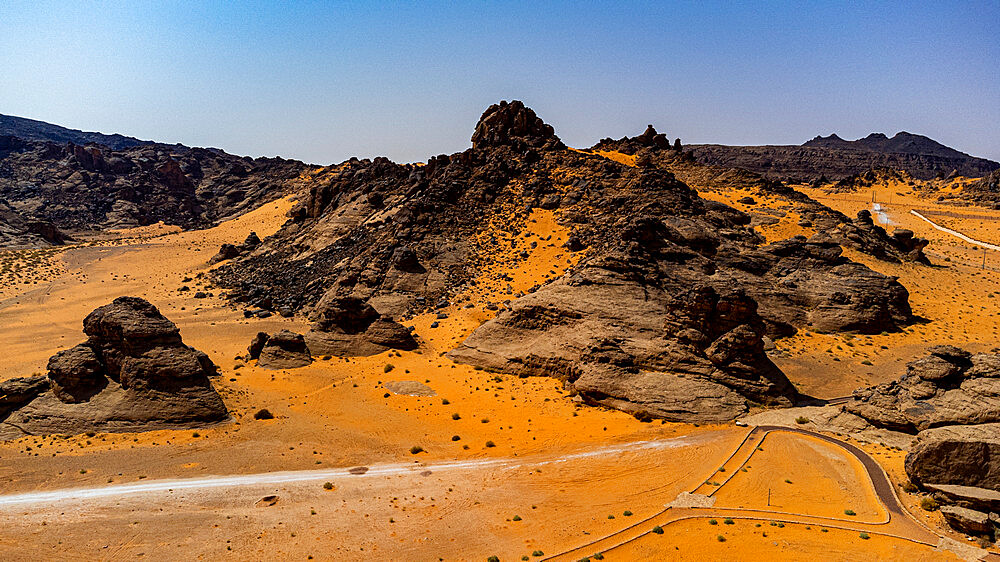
column 513, row 124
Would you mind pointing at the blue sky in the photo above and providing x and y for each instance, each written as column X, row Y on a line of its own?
column 323, row 81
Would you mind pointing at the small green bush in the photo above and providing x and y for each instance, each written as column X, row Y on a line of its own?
column 388, row 367
column 849, row 512
column 493, row 559
column 728, row 521
column 416, row 449
column 456, row 416
column 801, row 420
column 928, row 503
column 516, row 518
column 328, row 485
column 490, row 444
column 627, row 513
column 658, row 530
column 864, row 536
column 720, row 538
column 538, row 553
column 713, row 522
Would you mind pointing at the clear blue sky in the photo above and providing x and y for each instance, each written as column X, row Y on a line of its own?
column 323, row 81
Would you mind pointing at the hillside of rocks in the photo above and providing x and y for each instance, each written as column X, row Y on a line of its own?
column 133, row 373
column 858, row 233
column 33, row 130
column 83, row 188
column 663, row 313
column 834, row 158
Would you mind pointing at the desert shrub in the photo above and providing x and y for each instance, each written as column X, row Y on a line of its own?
column 627, row 513
column 910, row 487
column 388, row 367
column 864, row 536
column 456, row 416
column 538, row 553
column 728, row 521
column 849, row 512
column 720, row 538
column 713, row 522
column 328, row 485
column 416, row 449
column 801, row 420
column 928, row 503
column 516, row 518
column 658, row 530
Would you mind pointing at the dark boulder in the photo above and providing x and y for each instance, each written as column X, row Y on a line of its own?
column 348, row 326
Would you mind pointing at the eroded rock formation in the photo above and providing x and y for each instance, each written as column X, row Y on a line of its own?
column 133, row 373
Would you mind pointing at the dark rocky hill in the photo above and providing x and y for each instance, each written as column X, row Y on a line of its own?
column 835, row 158
column 664, row 314
column 73, row 187
column 30, row 129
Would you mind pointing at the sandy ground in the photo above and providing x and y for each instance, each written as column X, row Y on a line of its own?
column 338, row 413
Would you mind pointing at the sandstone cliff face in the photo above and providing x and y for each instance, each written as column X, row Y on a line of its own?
column 133, row 373
column 622, row 324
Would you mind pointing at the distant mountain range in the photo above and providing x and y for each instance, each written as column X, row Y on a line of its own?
column 835, row 158
column 30, row 129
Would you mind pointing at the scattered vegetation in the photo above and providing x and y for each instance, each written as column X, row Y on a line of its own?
column 728, row 521
column 928, row 503
column 713, row 522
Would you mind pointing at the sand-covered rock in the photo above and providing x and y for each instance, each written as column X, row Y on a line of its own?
column 133, row 373
column 949, row 386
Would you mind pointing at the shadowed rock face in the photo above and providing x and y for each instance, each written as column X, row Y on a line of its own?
column 947, row 387
column 133, row 373
column 621, row 325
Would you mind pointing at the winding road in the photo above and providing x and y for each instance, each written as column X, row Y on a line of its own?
column 898, row 522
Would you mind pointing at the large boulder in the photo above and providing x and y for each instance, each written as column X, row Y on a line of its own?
column 349, row 326
column 962, row 455
column 967, row 520
column 949, row 386
column 284, row 350
column 134, row 373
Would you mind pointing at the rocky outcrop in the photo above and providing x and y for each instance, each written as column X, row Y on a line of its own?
column 651, row 348
column 133, row 373
column 70, row 187
column 947, row 387
column 284, row 350
column 348, row 326
column 407, row 239
column 512, row 124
